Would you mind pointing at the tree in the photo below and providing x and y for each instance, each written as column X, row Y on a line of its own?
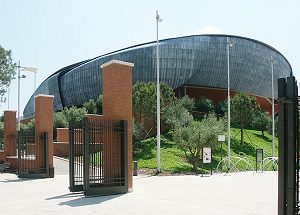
column 242, row 109
column 90, row 106
column 59, row 120
column 261, row 120
column 144, row 99
column 177, row 116
column 205, row 105
column 196, row 135
column 187, row 102
column 221, row 108
column 99, row 104
column 75, row 116
column 7, row 70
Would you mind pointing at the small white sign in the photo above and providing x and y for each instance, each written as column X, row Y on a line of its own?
column 206, row 155
column 221, row 138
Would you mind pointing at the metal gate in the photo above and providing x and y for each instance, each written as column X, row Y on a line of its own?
column 98, row 157
column 288, row 128
column 32, row 155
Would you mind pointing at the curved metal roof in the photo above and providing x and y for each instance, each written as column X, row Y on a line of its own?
column 193, row 60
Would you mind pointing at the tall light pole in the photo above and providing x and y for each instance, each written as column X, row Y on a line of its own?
column 228, row 94
column 33, row 70
column 273, row 120
column 29, row 69
column 158, row 19
column 8, row 91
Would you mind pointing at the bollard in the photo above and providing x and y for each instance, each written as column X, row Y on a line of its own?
column 135, row 168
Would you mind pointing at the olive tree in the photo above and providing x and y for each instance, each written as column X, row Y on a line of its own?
column 196, row 135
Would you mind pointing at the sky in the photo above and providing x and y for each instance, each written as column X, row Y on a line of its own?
column 51, row 34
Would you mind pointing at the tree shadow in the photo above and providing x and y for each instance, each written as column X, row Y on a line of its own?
column 268, row 139
column 143, row 150
column 183, row 169
column 246, row 148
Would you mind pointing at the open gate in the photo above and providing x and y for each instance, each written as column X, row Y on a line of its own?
column 98, row 157
column 32, row 154
column 288, row 128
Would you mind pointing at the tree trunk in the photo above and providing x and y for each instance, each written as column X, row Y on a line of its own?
column 242, row 135
column 262, row 133
column 195, row 166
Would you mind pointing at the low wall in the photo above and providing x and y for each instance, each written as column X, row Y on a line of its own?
column 61, row 149
column 62, row 134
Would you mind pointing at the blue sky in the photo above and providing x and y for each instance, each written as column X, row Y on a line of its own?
column 51, row 34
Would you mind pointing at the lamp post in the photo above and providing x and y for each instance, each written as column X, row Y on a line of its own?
column 158, row 19
column 273, row 121
column 228, row 94
column 8, row 91
column 29, row 69
column 33, row 70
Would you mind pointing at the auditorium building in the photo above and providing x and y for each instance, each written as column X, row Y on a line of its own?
column 192, row 65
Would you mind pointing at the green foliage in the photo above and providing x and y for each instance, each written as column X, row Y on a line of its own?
column 205, row 105
column 59, row 120
column 7, row 69
column 177, row 116
column 99, row 104
column 242, row 110
column 261, row 120
column 187, row 102
column 144, row 99
column 138, row 132
column 28, row 128
column 90, row 106
column 1, row 126
column 192, row 138
column 221, row 108
column 75, row 115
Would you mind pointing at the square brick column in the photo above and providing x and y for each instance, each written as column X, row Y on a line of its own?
column 117, row 100
column 10, row 133
column 44, row 123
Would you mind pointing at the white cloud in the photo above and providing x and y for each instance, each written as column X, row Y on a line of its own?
column 208, row 30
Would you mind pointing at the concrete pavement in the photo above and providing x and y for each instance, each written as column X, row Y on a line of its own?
column 239, row 193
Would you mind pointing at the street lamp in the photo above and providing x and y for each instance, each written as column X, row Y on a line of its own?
column 34, row 70
column 29, row 69
column 273, row 121
column 228, row 44
column 158, row 19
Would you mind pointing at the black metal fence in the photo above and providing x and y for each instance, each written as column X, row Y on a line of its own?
column 32, row 154
column 102, row 167
column 288, row 128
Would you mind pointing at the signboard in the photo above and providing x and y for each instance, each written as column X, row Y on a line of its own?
column 206, row 155
column 221, row 138
column 259, row 155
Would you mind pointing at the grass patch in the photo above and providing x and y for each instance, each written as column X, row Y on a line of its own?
column 173, row 159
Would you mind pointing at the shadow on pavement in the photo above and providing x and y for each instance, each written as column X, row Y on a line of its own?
column 17, row 180
column 81, row 200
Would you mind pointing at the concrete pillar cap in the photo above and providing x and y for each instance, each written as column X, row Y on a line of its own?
column 116, row 62
column 43, row 95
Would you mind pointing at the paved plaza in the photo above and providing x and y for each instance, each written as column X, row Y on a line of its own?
column 236, row 194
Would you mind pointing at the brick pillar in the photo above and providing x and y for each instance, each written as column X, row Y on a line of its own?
column 10, row 133
column 44, row 123
column 117, row 99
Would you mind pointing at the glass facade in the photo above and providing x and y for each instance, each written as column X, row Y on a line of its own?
column 193, row 60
